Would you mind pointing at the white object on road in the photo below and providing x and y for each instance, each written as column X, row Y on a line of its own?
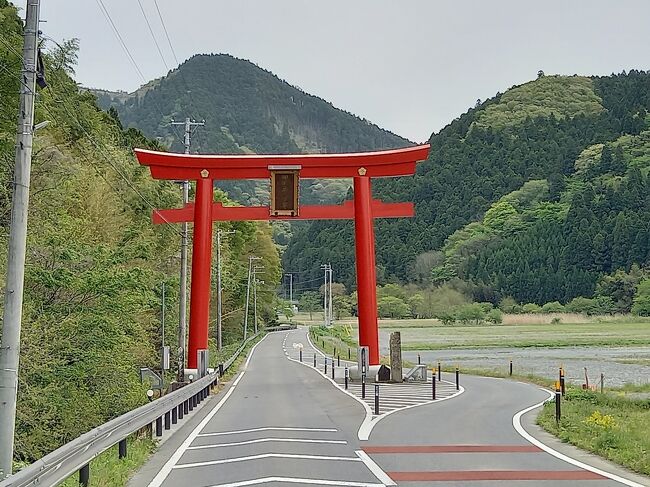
column 267, row 440
column 271, row 428
column 374, row 468
column 267, row 455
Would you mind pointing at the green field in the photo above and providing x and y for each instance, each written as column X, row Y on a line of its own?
column 518, row 331
column 611, row 334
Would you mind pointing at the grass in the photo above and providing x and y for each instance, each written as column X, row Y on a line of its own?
column 517, row 331
column 107, row 470
column 437, row 337
column 613, row 427
column 335, row 339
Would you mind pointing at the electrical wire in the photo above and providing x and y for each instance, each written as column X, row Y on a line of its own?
column 120, row 38
column 153, row 36
column 169, row 41
column 97, row 145
column 108, row 17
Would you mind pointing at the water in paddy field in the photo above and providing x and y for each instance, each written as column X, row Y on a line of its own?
column 619, row 365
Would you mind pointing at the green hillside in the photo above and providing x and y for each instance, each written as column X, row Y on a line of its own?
column 95, row 263
column 524, row 159
column 247, row 109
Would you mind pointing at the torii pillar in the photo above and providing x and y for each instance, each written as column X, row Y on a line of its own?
column 364, row 245
column 284, row 172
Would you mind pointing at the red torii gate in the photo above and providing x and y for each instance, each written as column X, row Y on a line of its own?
column 284, row 172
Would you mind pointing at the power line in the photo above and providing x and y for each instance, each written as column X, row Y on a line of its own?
column 120, row 38
column 153, row 36
column 169, row 41
column 108, row 17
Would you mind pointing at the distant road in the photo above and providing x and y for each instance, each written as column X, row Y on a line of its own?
column 283, row 423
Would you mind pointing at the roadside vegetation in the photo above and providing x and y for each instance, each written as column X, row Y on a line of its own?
column 96, row 264
column 614, row 427
column 108, row 470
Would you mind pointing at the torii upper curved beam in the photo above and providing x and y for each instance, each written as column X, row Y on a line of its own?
column 387, row 163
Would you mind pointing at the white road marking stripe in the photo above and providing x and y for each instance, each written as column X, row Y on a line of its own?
column 291, row 480
column 266, row 455
column 516, row 422
column 267, row 440
column 374, row 468
column 167, row 467
column 270, row 428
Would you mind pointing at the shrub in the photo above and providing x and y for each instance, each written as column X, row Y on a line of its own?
column 469, row 313
column 531, row 308
column 446, row 317
column 509, row 305
column 641, row 304
column 583, row 305
column 494, row 316
column 553, row 307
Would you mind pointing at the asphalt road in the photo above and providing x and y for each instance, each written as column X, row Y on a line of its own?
column 283, row 423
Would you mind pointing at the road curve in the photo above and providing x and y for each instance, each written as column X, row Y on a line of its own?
column 282, row 423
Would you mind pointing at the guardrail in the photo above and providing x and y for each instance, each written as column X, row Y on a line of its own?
column 77, row 454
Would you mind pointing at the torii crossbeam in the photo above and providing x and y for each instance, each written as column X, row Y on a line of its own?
column 284, row 172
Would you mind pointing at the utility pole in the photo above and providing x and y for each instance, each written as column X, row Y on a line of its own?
column 13, row 305
column 220, row 233
column 251, row 258
column 290, row 274
column 327, row 304
column 256, row 269
column 331, row 300
column 182, row 306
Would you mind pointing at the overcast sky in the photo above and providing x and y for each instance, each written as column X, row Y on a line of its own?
column 410, row 66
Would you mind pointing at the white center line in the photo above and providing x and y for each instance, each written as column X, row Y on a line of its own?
column 270, row 428
column 267, row 455
column 267, row 440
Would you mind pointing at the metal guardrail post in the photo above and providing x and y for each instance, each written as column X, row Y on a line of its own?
column 168, row 420
column 75, row 455
column 122, row 448
column 84, row 475
column 174, row 415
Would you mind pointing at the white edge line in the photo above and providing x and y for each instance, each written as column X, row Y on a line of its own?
column 167, row 467
column 370, row 422
column 374, row 468
column 516, row 422
column 366, row 407
column 269, row 428
column 266, row 455
column 292, row 480
column 267, row 440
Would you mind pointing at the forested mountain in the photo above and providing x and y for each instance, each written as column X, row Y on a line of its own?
column 247, row 109
column 95, row 262
column 534, row 193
